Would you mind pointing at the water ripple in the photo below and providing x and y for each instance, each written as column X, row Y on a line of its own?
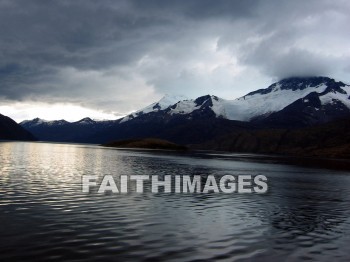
column 46, row 217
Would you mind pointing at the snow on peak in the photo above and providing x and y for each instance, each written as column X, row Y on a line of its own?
column 276, row 97
column 261, row 102
column 169, row 100
column 188, row 106
column 35, row 121
column 39, row 121
column 342, row 95
column 163, row 103
column 86, row 120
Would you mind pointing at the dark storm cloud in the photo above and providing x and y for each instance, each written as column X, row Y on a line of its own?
column 39, row 39
column 74, row 33
column 198, row 9
column 88, row 52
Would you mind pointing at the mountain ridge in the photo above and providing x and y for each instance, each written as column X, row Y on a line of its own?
column 288, row 104
column 253, row 104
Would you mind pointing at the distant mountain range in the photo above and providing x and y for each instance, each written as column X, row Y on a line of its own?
column 10, row 130
column 64, row 131
column 292, row 103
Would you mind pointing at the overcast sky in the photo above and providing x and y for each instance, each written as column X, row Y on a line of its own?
column 104, row 59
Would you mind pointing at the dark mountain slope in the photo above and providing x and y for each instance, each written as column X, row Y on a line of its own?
column 10, row 130
column 326, row 140
column 194, row 128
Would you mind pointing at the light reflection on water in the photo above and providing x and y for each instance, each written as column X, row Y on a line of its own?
column 44, row 215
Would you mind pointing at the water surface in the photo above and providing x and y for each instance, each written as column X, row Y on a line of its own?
column 45, row 216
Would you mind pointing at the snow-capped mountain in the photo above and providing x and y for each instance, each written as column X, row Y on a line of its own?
column 162, row 104
column 257, row 104
column 39, row 121
column 314, row 108
column 87, row 121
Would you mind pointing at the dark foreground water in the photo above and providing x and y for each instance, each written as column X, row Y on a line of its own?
column 44, row 215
